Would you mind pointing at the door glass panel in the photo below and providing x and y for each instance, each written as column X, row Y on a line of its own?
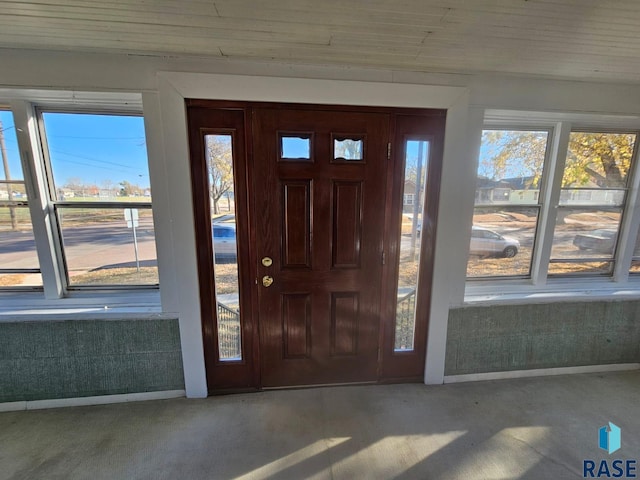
column 295, row 146
column 219, row 156
column 350, row 149
column 411, row 228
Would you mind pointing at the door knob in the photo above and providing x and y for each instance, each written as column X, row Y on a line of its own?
column 267, row 281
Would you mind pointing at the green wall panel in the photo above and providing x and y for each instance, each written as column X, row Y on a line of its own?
column 519, row 337
column 78, row 358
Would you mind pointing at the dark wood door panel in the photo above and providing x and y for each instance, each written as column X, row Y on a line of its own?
column 322, row 219
column 296, row 223
column 346, row 224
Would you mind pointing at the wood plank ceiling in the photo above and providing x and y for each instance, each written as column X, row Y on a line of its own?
column 585, row 39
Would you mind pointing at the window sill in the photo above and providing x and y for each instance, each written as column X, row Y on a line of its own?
column 556, row 290
column 30, row 306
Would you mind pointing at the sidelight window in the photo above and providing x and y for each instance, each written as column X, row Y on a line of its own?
column 412, row 230
column 219, row 158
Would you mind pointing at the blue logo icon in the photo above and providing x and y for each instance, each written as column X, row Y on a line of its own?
column 609, row 438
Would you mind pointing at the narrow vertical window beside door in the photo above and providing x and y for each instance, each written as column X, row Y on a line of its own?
column 219, row 155
column 411, row 232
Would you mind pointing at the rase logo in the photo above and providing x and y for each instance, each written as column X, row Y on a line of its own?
column 610, row 440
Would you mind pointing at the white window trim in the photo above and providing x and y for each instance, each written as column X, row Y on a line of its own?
column 540, row 287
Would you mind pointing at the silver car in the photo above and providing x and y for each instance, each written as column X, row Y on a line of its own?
column 224, row 242
column 485, row 242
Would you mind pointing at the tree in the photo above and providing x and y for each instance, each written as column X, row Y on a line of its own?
column 510, row 154
column 75, row 184
column 126, row 189
column 600, row 158
column 107, row 186
column 593, row 159
column 220, row 167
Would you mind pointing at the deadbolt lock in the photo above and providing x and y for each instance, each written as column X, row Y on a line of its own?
column 267, row 262
column 267, row 281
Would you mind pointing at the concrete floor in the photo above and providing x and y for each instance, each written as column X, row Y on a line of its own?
column 536, row 428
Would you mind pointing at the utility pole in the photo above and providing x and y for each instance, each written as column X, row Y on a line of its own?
column 7, row 176
column 417, row 204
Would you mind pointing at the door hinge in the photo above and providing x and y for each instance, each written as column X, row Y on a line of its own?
column 383, row 259
column 389, row 151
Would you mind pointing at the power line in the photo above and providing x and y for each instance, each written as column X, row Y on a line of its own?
column 92, row 159
column 100, row 138
column 88, row 165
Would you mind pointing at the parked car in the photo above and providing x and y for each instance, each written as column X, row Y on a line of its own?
column 486, row 242
column 224, row 242
column 601, row 240
column 229, row 217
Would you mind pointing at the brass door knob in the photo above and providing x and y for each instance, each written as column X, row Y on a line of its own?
column 267, row 281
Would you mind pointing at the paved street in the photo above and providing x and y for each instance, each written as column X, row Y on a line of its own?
column 86, row 248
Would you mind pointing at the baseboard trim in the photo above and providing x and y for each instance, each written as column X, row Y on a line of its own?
column 85, row 401
column 540, row 372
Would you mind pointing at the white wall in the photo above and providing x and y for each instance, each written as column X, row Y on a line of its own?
column 465, row 97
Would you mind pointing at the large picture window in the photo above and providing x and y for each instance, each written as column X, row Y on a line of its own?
column 545, row 213
column 100, row 193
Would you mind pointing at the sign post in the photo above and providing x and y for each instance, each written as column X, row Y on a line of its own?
column 131, row 217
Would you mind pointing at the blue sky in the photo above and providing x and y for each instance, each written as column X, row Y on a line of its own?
column 93, row 148
column 514, row 167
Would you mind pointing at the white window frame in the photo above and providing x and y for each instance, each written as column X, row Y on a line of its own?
column 26, row 108
column 625, row 208
column 540, row 286
column 55, row 205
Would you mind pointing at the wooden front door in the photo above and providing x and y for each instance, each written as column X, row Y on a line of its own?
column 320, row 179
column 333, row 275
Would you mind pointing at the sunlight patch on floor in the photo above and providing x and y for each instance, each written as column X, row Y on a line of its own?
column 393, row 455
column 288, row 461
column 508, row 454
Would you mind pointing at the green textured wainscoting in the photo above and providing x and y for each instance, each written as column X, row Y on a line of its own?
column 79, row 358
column 520, row 337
